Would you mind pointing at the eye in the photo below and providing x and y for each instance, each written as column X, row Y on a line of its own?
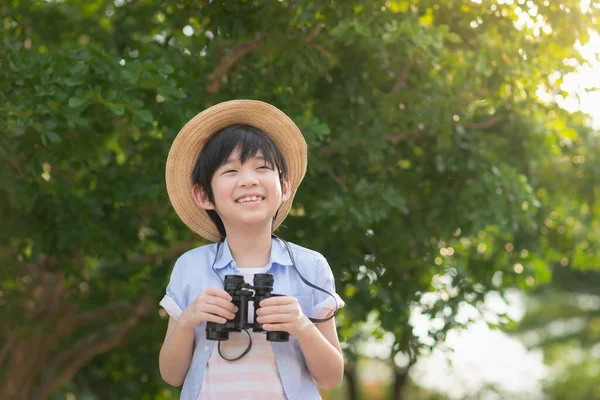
column 264, row 167
column 229, row 171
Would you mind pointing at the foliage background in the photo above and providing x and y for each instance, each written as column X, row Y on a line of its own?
column 436, row 172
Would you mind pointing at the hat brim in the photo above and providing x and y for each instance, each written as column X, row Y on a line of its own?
column 193, row 136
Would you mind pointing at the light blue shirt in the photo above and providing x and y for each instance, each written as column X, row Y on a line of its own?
column 193, row 273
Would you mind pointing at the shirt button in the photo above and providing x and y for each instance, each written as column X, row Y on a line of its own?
column 206, row 348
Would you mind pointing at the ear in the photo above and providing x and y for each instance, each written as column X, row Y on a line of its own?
column 201, row 198
column 286, row 190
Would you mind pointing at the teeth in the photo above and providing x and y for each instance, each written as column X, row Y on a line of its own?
column 249, row 199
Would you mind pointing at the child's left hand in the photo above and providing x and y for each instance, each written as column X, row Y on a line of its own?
column 282, row 313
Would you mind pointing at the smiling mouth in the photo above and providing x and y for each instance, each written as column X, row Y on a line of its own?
column 250, row 199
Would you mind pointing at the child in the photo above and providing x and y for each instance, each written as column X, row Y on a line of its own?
column 231, row 175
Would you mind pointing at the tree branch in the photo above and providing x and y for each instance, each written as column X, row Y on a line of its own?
column 321, row 50
column 328, row 150
column 167, row 252
column 484, row 124
column 9, row 339
column 337, row 179
column 167, row 40
column 402, row 76
column 309, row 41
column 15, row 164
column 67, row 363
column 224, row 65
column 314, row 33
column 216, row 80
column 393, row 138
column 218, row 50
column 102, row 314
column 402, row 137
column 47, row 293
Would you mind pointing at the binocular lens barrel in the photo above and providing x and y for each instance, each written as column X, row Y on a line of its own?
column 278, row 336
column 216, row 331
column 236, row 287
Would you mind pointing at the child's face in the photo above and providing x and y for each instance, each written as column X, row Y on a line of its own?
column 246, row 194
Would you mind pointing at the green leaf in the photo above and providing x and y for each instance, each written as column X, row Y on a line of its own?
column 165, row 69
column 78, row 69
column 453, row 38
column 117, row 109
column 75, row 102
column 144, row 115
column 50, row 124
column 130, row 77
column 137, row 103
column 72, row 82
column 53, row 136
column 80, row 121
column 109, row 95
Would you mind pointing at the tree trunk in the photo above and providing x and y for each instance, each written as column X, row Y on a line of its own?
column 352, row 379
column 38, row 361
column 400, row 380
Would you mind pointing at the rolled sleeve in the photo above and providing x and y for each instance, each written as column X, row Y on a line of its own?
column 324, row 303
column 174, row 300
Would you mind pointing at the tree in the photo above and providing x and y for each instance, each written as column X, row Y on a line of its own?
column 422, row 122
column 562, row 319
column 562, row 315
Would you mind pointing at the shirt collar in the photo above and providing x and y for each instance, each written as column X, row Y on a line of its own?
column 279, row 254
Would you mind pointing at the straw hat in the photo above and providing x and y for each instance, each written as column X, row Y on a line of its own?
column 194, row 135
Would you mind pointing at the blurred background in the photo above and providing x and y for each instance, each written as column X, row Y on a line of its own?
column 454, row 162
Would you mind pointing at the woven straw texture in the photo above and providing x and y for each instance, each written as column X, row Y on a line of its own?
column 193, row 136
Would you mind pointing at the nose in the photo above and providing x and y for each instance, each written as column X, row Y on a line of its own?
column 248, row 179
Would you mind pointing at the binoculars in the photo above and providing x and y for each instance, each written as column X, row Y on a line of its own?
column 241, row 293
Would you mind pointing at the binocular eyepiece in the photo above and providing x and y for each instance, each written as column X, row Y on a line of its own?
column 241, row 293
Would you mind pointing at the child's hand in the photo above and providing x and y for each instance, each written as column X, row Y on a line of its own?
column 212, row 305
column 282, row 313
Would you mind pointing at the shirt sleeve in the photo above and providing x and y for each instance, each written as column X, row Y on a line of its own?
column 174, row 301
column 324, row 303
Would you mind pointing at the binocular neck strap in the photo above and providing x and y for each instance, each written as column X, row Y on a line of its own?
column 316, row 320
column 289, row 250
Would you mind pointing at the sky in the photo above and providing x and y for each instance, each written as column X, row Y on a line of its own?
column 481, row 356
column 584, row 86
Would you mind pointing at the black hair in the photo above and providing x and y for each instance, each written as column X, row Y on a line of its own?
column 249, row 140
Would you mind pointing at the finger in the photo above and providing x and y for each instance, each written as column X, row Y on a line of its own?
column 269, row 310
column 228, row 305
column 213, row 318
column 218, row 293
column 279, row 300
column 216, row 310
column 276, row 318
column 276, row 327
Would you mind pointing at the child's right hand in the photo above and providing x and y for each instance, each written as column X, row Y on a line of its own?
column 212, row 305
